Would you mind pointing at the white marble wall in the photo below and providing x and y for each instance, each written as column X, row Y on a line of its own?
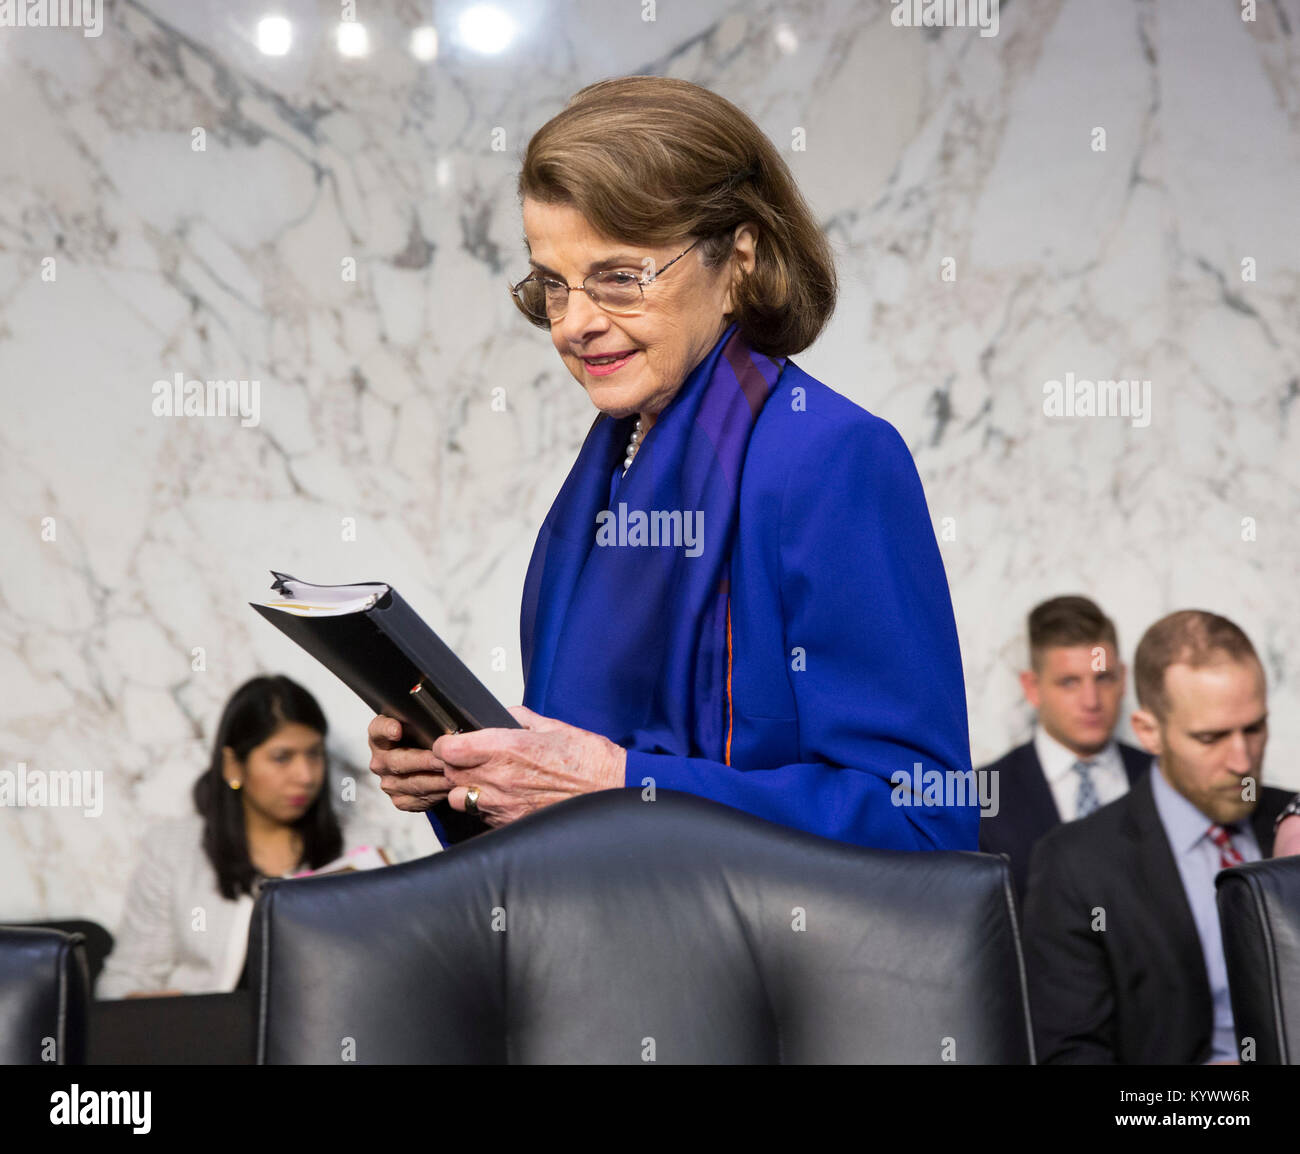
column 375, row 398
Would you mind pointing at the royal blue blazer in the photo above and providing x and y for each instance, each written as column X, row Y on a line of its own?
column 845, row 664
column 845, row 692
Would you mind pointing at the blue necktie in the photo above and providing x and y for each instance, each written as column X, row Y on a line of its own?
column 1086, row 800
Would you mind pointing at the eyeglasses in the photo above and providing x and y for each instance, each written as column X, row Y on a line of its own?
column 545, row 299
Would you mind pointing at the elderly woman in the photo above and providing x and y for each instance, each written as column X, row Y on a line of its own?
column 737, row 592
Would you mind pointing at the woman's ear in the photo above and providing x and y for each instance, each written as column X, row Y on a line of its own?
column 745, row 244
column 743, row 262
column 231, row 770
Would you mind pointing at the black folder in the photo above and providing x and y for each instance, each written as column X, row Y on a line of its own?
column 379, row 647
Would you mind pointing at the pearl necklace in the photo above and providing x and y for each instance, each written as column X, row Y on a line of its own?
column 632, row 446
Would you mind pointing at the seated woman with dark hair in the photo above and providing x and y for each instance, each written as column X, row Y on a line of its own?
column 262, row 811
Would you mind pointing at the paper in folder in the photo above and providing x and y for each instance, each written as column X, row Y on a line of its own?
column 379, row 647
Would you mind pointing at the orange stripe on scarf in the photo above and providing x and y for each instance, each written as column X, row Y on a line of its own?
column 730, row 708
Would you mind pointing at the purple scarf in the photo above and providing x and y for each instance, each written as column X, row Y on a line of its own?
column 629, row 638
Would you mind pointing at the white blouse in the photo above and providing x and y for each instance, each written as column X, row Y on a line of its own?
column 177, row 932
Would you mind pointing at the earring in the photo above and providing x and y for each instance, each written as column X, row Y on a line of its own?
column 235, row 784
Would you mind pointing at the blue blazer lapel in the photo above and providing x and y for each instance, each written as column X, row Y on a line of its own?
column 557, row 560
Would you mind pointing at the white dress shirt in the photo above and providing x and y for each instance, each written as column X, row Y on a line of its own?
column 177, row 932
column 1108, row 776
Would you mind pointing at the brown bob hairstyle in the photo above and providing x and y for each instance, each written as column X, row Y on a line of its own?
column 649, row 160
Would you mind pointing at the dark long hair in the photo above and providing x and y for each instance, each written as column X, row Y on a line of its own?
column 254, row 712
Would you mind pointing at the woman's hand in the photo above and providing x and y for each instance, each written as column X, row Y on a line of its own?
column 518, row 771
column 412, row 778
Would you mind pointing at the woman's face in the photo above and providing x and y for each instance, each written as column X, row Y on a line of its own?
column 681, row 318
column 283, row 776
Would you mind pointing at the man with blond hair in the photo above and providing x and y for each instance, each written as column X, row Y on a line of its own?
column 1122, row 947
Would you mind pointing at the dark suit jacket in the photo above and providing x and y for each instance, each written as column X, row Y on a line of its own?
column 1026, row 808
column 1136, row 992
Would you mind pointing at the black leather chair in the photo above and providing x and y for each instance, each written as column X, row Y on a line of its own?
column 1259, row 918
column 98, row 942
column 609, row 929
column 44, row 994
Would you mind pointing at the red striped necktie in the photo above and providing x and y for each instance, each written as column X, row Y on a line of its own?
column 1228, row 855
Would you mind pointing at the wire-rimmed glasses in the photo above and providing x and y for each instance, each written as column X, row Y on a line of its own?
column 544, row 298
